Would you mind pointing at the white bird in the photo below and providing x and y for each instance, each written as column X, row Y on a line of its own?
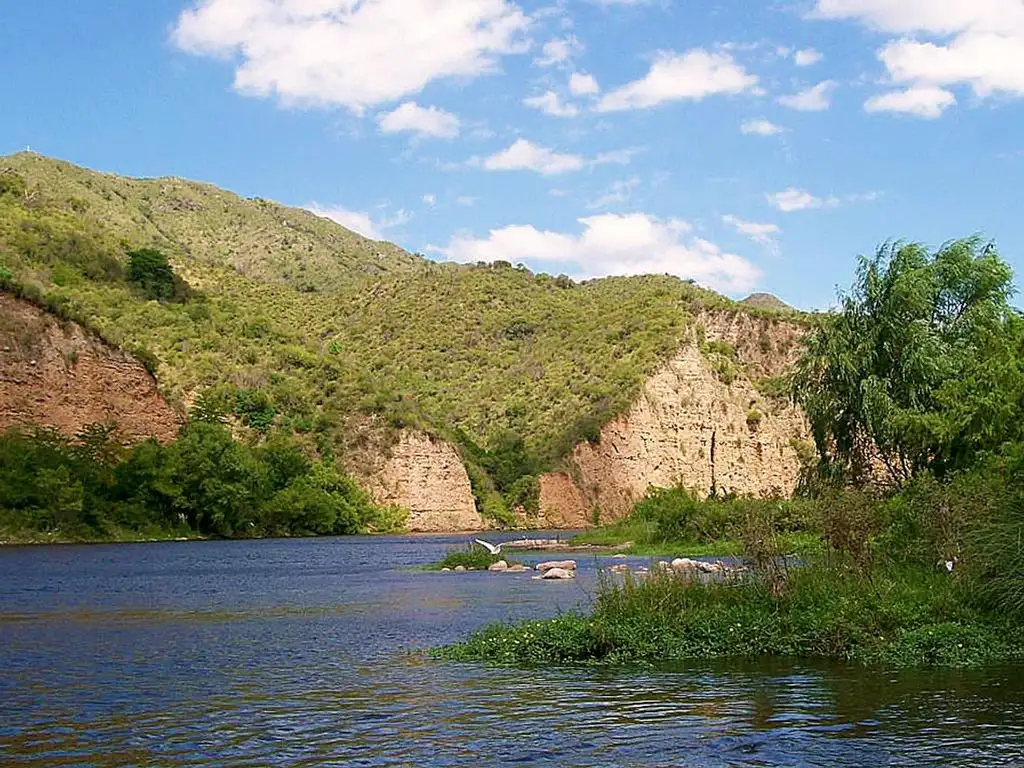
column 494, row 550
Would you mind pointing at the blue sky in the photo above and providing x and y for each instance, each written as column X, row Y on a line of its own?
column 748, row 145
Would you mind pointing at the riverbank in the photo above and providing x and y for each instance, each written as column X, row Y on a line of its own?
column 25, row 538
column 897, row 617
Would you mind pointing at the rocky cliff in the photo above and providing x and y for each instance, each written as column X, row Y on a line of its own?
column 700, row 422
column 426, row 477
column 59, row 375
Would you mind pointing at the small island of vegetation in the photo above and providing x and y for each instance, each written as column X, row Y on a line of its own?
column 909, row 523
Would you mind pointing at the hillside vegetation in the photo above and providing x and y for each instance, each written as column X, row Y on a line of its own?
column 286, row 322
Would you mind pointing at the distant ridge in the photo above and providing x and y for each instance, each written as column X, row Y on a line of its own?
column 767, row 301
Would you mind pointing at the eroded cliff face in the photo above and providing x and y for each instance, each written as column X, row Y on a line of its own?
column 691, row 428
column 426, row 477
column 59, row 375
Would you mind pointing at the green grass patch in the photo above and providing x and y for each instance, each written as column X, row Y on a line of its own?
column 900, row 617
column 473, row 556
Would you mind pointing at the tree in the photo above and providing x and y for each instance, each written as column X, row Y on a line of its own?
column 872, row 373
column 213, row 480
column 153, row 274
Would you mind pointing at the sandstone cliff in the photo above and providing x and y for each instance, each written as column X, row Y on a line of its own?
column 427, row 478
column 59, row 375
column 691, row 428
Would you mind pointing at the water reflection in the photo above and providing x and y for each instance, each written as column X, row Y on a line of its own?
column 303, row 653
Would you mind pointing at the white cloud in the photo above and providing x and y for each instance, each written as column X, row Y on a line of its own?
column 763, row 234
column 351, row 53
column 524, row 155
column 793, row 199
column 550, row 104
column 612, row 244
column 466, row 200
column 558, row 51
column 617, row 156
column 817, row 98
column 619, row 192
column 922, row 101
column 979, row 44
column 430, row 200
column 692, row 75
column 938, row 17
column 425, row 121
column 357, row 221
column 807, row 57
column 761, row 128
column 581, row 84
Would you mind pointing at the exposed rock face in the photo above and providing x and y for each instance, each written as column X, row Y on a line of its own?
column 690, row 428
column 58, row 375
column 562, row 504
column 427, row 478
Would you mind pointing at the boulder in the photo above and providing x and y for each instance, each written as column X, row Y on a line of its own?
column 460, row 569
column 620, row 568
column 556, row 573
column 517, row 568
column 499, row 566
column 685, row 564
column 565, row 565
column 619, row 556
column 446, row 570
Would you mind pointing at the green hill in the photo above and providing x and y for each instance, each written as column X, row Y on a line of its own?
column 292, row 323
column 766, row 301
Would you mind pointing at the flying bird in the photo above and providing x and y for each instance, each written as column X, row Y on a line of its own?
column 494, row 550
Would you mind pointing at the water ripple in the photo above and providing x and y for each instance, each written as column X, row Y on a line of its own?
column 297, row 654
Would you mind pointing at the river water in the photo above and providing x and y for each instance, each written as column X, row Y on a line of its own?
column 303, row 653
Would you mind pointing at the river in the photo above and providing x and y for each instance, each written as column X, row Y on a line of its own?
column 303, row 653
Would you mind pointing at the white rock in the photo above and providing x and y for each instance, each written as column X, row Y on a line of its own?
column 684, row 564
column 565, row 565
column 460, row 569
column 620, row 568
column 618, row 556
column 556, row 573
column 446, row 570
column 501, row 565
column 517, row 568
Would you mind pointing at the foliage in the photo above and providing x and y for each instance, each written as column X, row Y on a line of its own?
column 908, row 617
column 675, row 520
column 205, row 483
column 472, row 557
column 150, row 271
column 873, row 376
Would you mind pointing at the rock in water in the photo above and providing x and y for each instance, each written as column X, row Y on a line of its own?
column 556, row 573
column 620, row 568
column 499, row 566
column 684, row 564
column 446, row 570
column 518, row 568
column 565, row 565
column 460, row 569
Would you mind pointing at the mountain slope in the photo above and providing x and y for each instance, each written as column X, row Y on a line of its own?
column 296, row 324
column 212, row 227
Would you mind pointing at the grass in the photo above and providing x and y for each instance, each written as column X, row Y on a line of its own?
column 472, row 557
column 901, row 617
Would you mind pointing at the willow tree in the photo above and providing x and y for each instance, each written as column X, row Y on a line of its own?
column 874, row 373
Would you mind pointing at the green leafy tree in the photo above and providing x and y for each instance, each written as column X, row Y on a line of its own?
column 913, row 323
column 213, row 480
column 150, row 270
